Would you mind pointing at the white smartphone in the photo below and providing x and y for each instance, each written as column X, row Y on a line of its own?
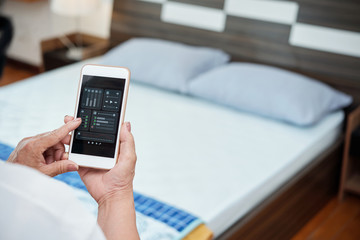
column 101, row 104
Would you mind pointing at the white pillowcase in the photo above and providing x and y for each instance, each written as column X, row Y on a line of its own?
column 164, row 64
column 270, row 92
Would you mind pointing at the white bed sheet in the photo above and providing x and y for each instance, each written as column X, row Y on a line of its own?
column 212, row 161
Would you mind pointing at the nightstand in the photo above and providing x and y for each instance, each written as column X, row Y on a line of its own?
column 54, row 52
column 350, row 172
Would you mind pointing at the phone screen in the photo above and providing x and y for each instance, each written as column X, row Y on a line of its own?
column 99, row 108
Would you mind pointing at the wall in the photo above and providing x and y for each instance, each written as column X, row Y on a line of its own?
column 34, row 22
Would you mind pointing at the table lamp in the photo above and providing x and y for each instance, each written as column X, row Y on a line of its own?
column 77, row 9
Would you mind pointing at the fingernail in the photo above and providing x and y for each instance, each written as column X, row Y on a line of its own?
column 77, row 120
column 72, row 167
column 65, row 116
column 128, row 126
column 65, row 156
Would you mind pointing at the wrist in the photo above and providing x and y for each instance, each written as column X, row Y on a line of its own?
column 116, row 196
column 116, row 215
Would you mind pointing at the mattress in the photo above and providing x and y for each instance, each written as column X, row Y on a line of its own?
column 211, row 161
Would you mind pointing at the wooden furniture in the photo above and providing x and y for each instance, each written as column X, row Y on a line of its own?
column 54, row 51
column 350, row 173
column 286, row 211
column 200, row 233
column 289, row 208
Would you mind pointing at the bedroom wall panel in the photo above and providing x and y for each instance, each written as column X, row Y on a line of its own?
column 194, row 16
column 252, row 29
column 143, row 9
column 254, row 40
column 219, row 4
column 316, row 37
column 155, row 1
column 330, row 13
column 283, row 12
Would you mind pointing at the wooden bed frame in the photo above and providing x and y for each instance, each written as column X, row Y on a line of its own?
column 286, row 211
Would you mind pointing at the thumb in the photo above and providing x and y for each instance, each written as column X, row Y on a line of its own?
column 59, row 167
column 127, row 144
column 54, row 137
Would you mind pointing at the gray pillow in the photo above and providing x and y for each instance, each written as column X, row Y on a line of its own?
column 270, row 92
column 164, row 64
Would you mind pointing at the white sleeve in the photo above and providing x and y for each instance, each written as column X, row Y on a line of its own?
column 34, row 206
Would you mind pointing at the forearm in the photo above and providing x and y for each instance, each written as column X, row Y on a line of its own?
column 116, row 217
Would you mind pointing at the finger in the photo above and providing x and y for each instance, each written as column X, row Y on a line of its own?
column 57, row 135
column 58, row 154
column 65, row 156
column 68, row 118
column 66, row 140
column 127, row 144
column 49, row 156
column 59, row 167
column 54, row 153
column 40, row 135
column 83, row 171
column 59, row 146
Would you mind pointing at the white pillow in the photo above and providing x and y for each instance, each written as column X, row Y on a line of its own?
column 164, row 64
column 270, row 92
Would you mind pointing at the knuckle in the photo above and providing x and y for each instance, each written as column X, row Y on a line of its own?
column 129, row 155
column 24, row 141
column 44, row 170
column 131, row 138
column 47, row 170
column 28, row 145
column 62, row 168
column 55, row 135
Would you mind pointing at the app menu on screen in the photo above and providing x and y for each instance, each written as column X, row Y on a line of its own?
column 99, row 111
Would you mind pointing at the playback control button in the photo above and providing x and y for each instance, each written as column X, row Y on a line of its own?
column 112, row 100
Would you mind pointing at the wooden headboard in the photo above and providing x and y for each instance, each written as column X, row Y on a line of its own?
column 273, row 39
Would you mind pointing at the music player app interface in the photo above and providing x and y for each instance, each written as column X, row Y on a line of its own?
column 99, row 108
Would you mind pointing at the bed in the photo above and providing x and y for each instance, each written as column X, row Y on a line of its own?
column 251, row 177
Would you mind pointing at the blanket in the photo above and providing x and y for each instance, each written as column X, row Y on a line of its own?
column 155, row 220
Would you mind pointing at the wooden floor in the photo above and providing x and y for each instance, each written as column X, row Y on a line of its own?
column 15, row 72
column 336, row 221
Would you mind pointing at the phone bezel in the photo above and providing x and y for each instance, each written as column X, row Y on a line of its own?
column 102, row 71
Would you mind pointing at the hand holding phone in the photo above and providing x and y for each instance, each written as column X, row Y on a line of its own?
column 101, row 104
column 113, row 190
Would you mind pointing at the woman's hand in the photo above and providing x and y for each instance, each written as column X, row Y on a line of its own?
column 113, row 190
column 45, row 152
column 105, row 184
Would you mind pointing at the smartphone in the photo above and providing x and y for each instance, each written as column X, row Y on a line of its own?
column 101, row 104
